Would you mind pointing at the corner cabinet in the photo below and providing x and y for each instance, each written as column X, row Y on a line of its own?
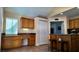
column 27, row 23
column 74, row 23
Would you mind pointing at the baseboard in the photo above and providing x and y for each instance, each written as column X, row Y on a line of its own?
column 42, row 44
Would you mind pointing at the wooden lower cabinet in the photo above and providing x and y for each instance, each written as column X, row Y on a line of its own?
column 68, row 43
column 31, row 40
column 75, row 43
column 11, row 42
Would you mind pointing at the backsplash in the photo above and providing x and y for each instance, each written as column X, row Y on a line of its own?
column 27, row 31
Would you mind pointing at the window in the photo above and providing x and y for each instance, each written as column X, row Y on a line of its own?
column 11, row 26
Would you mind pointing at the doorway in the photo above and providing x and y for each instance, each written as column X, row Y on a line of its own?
column 56, row 28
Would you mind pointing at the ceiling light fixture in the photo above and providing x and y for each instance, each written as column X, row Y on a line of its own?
column 61, row 13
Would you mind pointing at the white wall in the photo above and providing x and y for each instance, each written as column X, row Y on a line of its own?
column 20, row 30
column 1, row 18
column 17, row 16
column 61, row 18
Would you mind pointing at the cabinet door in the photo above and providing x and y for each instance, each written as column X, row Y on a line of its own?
column 17, row 41
column 25, row 23
column 73, row 44
column 77, row 23
column 6, row 43
column 71, row 24
column 11, row 42
column 77, row 43
column 31, row 24
column 31, row 41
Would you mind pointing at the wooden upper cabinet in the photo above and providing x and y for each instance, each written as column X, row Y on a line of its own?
column 71, row 24
column 31, row 24
column 77, row 23
column 74, row 23
column 24, row 22
column 27, row 23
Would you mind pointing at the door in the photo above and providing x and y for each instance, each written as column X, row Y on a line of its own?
column 43, row 32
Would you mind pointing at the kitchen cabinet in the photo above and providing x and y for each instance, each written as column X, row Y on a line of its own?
column 69, row 43
column 31, row 24
column 24, row 23
column 60, row 43
column 11, row 42
column 31, row 40
column 75, row 43
column 74, row 23
column 77, row 23
column 71, row 24
column 27, row 23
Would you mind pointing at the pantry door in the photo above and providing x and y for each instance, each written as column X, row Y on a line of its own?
column 43, row 32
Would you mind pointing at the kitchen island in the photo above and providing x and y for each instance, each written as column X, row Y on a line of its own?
column 64, row 42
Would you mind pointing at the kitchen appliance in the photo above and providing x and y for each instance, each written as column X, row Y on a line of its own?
column 73, row 31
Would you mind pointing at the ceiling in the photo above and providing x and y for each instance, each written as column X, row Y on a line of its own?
column 44, row 11
column 58, row 10
column 74, row 12
column 30, row 11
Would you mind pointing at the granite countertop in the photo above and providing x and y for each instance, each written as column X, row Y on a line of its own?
column 64, row 34
column 26, row 33
column 3, row 34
